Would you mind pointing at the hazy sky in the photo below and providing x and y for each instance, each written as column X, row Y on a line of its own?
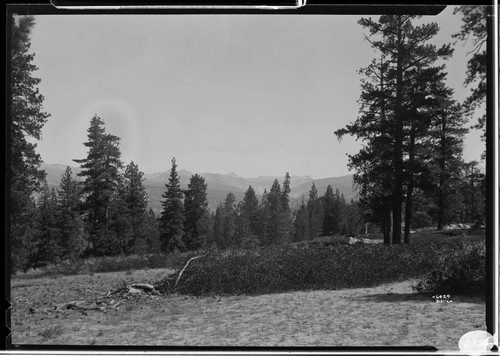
column 251, row 94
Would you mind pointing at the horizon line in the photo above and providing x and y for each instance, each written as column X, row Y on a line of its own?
column 227, row 174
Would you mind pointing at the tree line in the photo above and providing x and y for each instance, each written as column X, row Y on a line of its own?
column 105, row 212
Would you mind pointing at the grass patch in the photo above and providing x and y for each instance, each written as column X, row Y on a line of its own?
column 108, row 264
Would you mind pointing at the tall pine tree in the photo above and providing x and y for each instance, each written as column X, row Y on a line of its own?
column 278, row 222
column 172, row 216
column 101, row 170
column 250, row 210
column 26, row 120
column 474, row 26
column 406, row 50
column 196, row 213
column 135, row 200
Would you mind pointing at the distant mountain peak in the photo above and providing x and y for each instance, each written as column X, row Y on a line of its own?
column 220, row 184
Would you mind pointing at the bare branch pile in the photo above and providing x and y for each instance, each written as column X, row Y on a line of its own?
column 115, row 298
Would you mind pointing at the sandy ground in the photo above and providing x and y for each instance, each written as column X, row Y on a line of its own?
column 387, row 315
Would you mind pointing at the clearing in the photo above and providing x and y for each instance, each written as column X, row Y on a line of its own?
column 386, row 315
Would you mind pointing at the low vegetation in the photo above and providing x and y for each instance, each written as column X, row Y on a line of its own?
column 443, row 264
column 459, row 271
column 108, row 264
column 314, row 267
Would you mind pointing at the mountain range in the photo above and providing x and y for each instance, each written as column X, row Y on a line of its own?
column 219, row 185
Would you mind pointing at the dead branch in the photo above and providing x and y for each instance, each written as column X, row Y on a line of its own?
column 107, row 300
column 185, row 266
column 114, row 306
column 79, row 305
column 118, row 290
column 132, row 290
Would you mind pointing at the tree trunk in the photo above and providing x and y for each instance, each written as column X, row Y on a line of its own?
column 473, row 196
column 409, row 191
column 387, row 223
column 397, row 196
column 440, row 217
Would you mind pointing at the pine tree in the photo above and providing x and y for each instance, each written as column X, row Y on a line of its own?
column 287, row 213
column 446, row 164
column 229, row 237
column 353, row 219
column 333, row 212
column 69, row 220
column 473, row 188
column 101, row 170
column 243, row 231
column 265, row 220
column 196, row 213
column 285, row 193
column 406, row 50
column 315, row 213
column 119, row 236
column 475, row 26
column 135, row 201
column 250, row 211
column 26, row 120
column 172, row 215
column 301, row 223
column 278, row 216
column 373, row 163
column 150, row 242
column 328, row 228
column 218, row 224
column 49, row 249
column 435, row 131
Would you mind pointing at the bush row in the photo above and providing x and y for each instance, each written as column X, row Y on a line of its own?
column 448, row 266
column 289, row 268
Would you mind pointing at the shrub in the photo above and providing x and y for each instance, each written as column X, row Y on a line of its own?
column 463, row 270
column 285, row 268
column 250, row 243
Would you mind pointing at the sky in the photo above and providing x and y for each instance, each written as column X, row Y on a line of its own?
column 247, row 94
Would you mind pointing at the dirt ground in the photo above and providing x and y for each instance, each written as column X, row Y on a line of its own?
column 387, row 315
